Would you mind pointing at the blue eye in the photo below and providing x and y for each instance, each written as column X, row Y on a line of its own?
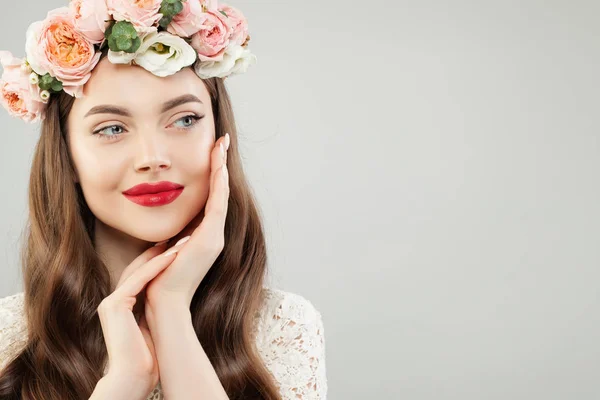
column 192, row 118
column 101, row 135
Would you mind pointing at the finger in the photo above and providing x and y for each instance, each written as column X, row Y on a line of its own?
column 138, row 280
column 139, row 261
column 218, row 157
column 147, row 335
column 220, row 174
column 215, row 211
column 120, row 331
column 215, row 216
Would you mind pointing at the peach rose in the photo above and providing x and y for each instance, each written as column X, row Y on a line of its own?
column 143, row 14
column 189, row 20
column 54, row 46
column 18, row 96
column 90, row 18
column 238, row 23
column 210, row 42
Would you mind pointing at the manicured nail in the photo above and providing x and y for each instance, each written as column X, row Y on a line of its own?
column 227, row 141
column 161, row 243
column 182, row 241
column 222, row 151
column 172, row 251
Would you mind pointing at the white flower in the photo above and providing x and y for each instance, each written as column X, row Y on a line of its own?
column 120, row 57
column 164, row 54
column 242, row 63
column 236, row 60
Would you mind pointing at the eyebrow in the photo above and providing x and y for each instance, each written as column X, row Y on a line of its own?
column 112, row 109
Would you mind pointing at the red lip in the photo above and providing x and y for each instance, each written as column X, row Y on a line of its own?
column 154, row 194
column 147, row 188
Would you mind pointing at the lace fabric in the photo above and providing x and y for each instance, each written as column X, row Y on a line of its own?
column 289, row 335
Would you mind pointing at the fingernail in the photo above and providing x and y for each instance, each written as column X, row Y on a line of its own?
column 172, row 251
column 161, row 243
column 227, row 141
column 182, row 241
column 222, row 151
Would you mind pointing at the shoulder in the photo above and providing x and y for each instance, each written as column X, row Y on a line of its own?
column 11, row 311
column 281, row 305
column 291, row 340
column 13, row 331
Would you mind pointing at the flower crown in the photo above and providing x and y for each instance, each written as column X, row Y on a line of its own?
column 162, row 36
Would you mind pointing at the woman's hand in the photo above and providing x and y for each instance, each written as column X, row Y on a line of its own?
column 206, row 241
column 132, row 363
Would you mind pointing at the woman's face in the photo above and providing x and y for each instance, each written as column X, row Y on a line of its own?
column 132, row 127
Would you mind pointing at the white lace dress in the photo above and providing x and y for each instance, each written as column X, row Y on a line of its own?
column 289, row 336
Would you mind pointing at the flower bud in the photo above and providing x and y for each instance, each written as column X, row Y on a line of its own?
column 26, row 67
column 34, row 78
column 45, row 95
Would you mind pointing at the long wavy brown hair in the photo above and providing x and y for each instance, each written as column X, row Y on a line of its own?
column 65, row 280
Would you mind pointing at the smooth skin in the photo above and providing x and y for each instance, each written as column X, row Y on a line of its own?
column 163, row 345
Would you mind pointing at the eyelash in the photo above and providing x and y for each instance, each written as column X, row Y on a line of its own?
column 196, row 119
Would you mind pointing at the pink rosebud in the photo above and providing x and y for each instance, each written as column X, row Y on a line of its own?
column 90, row 18
column 18, row 96
column 143, row 14
column 237, row 21
column 210, row 42
column 189, row 21
column 54, row 46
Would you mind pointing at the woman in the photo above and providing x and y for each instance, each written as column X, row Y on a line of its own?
column 138, row 147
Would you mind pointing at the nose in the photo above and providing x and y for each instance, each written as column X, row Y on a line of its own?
column 151, row 155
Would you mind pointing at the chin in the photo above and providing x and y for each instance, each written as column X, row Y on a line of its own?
column 154, row 231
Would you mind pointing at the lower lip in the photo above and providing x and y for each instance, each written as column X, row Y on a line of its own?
column 155, row 199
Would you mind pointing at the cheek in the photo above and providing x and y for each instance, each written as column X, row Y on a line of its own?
column 99, row 171
column 193, row 161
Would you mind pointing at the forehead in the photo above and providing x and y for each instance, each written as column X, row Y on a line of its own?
column 133, row 87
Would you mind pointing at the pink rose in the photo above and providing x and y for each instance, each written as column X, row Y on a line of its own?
column 210, row 42
column 54, row 46
column 189, row 20
column 238, row 23
column 90, row 18
column 143, row 14
column 20, row 98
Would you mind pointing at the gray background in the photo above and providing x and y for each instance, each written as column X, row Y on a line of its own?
column 429, row 177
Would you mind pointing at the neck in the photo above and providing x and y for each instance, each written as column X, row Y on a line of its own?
column 117, row 249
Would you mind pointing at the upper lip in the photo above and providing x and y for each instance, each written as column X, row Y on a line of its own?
column 152, row 187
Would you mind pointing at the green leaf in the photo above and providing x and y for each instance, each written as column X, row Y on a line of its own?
column 57, row 86
column 124, row 28
column 178, row 8
column 165, row 21
column 123, row 43
column 224, row 13
column 45, row 82
column 122, row 36
column 112, row 43
column 49, row 83
column 137, row 42
column 170, row 8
